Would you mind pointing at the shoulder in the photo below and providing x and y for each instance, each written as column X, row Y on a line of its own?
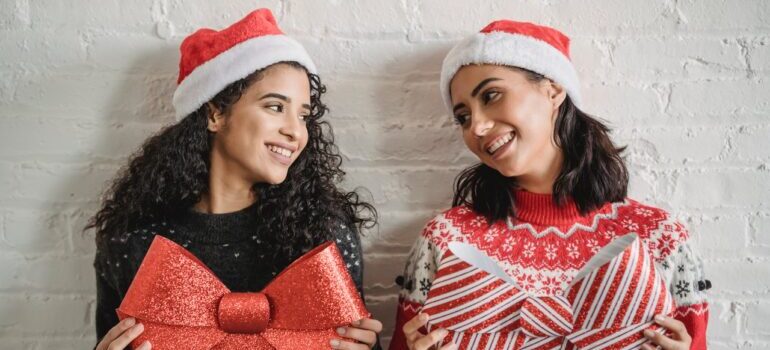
column 663, row 232
column 118, row 255
column 454, row 224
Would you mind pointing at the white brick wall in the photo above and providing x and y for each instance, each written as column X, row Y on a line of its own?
column 685, row 83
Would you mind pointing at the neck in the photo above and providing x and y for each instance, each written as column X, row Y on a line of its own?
column 228, row 190
column 541, row 180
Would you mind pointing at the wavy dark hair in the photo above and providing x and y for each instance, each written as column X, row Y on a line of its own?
column 170, row 173
column 592, row 173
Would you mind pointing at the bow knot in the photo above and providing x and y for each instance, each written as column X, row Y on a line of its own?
column 546, row 316
column 243, row 312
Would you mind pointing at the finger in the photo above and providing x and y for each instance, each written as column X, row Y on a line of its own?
column 660, row 339
column 674, row 325
column 450, row 346
column 124, row 339
column 145, row 346
column 370, row 324
column 116, row 331
column 430, row 339
column 363, row 335
column 647, row 347
column 412, row 327
column 346, row 345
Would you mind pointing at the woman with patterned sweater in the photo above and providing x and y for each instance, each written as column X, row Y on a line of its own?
column 550, row 188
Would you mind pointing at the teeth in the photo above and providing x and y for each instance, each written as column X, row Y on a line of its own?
column 499, row 143
column 280, row 150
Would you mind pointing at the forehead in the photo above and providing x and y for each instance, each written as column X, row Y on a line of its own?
column 285, row 79
column 469, row 76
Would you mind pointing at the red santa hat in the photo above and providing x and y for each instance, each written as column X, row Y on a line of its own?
column 211, row 60
column 537, row 48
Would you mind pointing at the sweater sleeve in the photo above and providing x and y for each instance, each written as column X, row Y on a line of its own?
column 107, row 300
column 415, row 283
column 683, row 271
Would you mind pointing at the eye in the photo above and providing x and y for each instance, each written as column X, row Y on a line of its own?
column 461, row 119
column 304, row 117
column 489, row 95
column 276, row 108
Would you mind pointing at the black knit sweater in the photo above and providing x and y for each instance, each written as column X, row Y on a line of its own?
column 231, row 245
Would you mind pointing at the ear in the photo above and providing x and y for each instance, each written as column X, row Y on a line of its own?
column 556, row 94
column 216, row 120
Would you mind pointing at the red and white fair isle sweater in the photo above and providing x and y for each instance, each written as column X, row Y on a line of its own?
column 545, row 246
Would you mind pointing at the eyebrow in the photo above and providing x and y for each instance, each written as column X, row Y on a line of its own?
column 476, row 91
column 481, row 85
column 283, row 98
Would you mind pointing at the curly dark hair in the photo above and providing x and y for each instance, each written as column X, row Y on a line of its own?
column 170, row 173
column 593, row 171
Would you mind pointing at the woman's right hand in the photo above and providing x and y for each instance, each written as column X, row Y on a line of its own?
column 415, row 340
column 120, row 336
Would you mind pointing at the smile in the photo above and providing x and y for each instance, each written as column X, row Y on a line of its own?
column 280, row 150
column 500, row 142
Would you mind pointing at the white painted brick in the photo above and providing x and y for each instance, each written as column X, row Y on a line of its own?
column 119, row 52
column 760, row 231
column 720, row 235
column 720, row 97
column 751, row 142
column 716, row 188
column 685, row 57
column 757, row 315
column 34, row 231
column 14, row 14
column 189, row 15
column 346, row 17
column 108, row 15
column 46, row 315
column 759, row 54
column 721, row 15
column 55, row 48
column 63, row 183
column 57, row 274
column 726, row 275
column 723, row 319
column 684, row 145
column 621, row 104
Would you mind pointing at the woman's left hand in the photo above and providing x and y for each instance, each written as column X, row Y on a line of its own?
column 362, row 335
column 680, row 339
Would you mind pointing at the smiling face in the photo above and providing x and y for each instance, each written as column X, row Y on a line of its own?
column 264, row 131
column 507, row 120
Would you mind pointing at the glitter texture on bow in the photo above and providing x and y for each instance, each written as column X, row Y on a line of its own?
column 183, row 305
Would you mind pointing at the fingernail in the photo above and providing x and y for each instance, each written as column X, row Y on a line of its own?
column 129, row 322
column 423, row 317
column 341, row 331
column 659, row 318
column 334, row 343
column 357, row 323
column 145, row 346
column 648, row 333
column 139, row 328
column 443, row 332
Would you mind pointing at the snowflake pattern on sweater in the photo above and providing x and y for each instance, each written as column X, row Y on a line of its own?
column 545, row 246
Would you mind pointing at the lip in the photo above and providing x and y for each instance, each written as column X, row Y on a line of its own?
column 290, row 147
column 500, row 152
column 488, row 144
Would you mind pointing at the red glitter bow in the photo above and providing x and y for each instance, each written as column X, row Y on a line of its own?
column 183, row 305
column 607, row 306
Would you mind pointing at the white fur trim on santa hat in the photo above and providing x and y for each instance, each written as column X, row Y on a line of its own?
column 514, row 50
column 213, row 76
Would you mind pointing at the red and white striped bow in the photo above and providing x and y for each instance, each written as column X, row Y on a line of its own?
column 607, row 306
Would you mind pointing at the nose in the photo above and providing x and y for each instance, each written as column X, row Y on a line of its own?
column 481, row 124
column 293, row 126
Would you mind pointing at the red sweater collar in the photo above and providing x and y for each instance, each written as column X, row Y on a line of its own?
column 541, row 209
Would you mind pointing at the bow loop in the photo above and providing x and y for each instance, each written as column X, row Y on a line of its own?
column 244, row 312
